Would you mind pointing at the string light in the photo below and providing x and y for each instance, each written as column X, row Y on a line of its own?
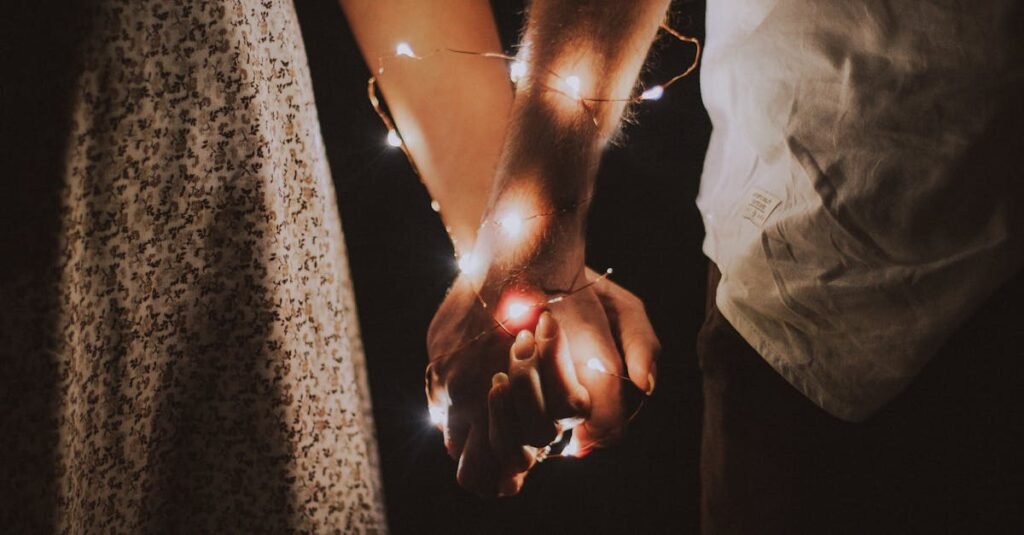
column 573, row 447
column 598, row 366
column 437, row 411
column 573, row 83
column 393, row 138
column 403, row 49
column 516, row 71
column 517, row 310
column 512, row 222
column 438, row 415
column 500, row 325
column 653, row 93
column 520, row 308
column 469, row 264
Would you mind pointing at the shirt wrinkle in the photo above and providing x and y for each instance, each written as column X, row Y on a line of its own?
column 880, row 129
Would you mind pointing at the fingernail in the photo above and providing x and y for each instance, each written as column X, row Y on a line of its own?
column 650, row 383
column 523, row 347
column 546, row 327
column 499, row 378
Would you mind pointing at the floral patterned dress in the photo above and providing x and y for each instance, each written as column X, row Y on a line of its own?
column 209, row 375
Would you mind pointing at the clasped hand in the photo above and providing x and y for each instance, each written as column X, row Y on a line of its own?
column 499, row 398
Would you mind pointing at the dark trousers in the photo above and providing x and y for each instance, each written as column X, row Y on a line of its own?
column 944, row 457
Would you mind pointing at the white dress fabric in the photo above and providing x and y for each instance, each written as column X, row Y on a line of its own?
column 861, row 189
column 202, row 370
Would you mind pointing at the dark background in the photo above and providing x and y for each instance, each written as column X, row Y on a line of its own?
column 643, row 223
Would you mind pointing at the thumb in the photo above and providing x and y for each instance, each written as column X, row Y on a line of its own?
column 599, row 360
column 564, row 396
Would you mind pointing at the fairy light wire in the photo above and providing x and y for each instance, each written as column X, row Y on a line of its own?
column 517, row 71
column 583, row 449
column 404, row 50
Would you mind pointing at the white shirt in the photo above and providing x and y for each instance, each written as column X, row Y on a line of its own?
column 862, row 191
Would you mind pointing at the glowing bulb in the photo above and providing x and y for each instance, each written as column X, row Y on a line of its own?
column 468, row 264
column 393, row 139
column 572, row 449
column 516, row 71
column 653, row 93
column 438, row 416
column 403, row 49
column 512, row 224
column 437, row 410
column 573, row 83
column 597, row 365
column 517, row 310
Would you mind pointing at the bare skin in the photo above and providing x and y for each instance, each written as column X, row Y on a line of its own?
column 543, row 148
column 454, row 137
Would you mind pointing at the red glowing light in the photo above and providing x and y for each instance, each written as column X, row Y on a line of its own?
column 519, row 309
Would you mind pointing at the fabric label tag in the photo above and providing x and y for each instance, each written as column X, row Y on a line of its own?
column 760, row 205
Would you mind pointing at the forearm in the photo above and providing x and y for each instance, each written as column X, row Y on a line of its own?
column 451, row 110
column 557, row 133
